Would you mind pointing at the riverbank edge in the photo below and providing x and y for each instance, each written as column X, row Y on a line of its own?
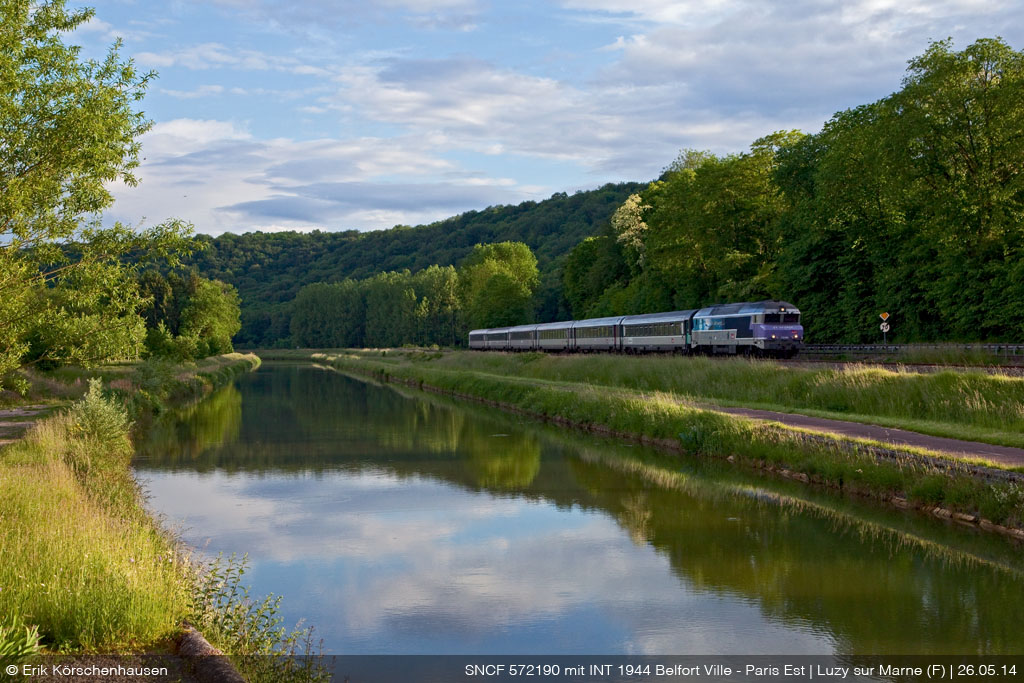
column 49, row 458
column 959, row 491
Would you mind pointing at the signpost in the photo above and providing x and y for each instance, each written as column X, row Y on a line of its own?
column 884, row 327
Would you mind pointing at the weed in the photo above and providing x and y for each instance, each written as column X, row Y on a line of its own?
column 930, row 490
column 17, row 643
column 251, row 630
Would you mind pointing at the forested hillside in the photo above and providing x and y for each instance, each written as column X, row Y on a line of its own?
column 269, row 269
column 913, row 205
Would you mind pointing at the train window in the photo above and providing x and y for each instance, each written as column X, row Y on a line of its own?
column 772, row 317
column 739, row 323
column 791, row 318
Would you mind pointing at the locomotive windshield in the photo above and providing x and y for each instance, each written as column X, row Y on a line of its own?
column 782, row 317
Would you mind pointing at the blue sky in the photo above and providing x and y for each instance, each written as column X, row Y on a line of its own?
column 337, row 115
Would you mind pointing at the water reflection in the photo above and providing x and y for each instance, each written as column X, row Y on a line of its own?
column 396, row 523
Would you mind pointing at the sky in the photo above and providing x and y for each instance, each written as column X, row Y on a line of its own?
column 338, row 115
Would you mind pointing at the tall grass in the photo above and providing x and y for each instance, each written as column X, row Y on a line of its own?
column 80, row 561
column 972, row 405
column 82, row 564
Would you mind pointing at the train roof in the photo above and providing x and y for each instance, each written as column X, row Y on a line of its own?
column 523, row 328
column 669, row 316
column 561, row 325
column 597, row 322
column 748, row 308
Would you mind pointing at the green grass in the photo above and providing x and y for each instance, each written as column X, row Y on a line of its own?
column 967, row 405
column 80, row 559
column 661, row 416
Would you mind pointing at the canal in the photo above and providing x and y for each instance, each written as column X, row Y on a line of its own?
column 395, row 522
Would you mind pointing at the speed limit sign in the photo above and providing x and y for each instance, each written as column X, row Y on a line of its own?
column 884, row 327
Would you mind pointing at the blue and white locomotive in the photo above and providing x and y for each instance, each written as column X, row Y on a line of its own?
column 770, row 328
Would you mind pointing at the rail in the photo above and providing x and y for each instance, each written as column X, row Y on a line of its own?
column 1001, row 350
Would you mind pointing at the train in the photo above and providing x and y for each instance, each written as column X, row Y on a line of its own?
column 760, row 328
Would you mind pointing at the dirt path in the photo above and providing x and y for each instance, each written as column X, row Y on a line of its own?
column 1013, row 457
column 14, row 422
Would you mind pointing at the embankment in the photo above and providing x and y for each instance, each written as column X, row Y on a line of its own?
column 971, row 492
column 83, row 566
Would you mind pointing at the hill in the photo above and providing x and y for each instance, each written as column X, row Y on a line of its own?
column 269, row 268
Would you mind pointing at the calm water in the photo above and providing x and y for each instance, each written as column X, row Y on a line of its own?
column 398, row 523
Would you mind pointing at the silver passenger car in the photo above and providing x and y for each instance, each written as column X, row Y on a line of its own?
column 554, row 336
column 596, row 334
column 656, row 332
column 478, row 339
column 497, row 339
column 522, row 338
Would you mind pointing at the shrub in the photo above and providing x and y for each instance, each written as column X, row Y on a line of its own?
column 98, row 417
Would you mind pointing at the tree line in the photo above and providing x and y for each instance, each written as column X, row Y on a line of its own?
column 495, row 285
column 269, row 269
column 912, row 205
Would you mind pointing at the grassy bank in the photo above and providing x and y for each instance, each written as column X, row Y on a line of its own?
column 82, row 562
column 975, row 406
column 662, row 417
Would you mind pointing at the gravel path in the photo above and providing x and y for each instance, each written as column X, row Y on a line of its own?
column 1013, row 457
column 14, row 422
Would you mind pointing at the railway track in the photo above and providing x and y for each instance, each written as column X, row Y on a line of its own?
column 1009, row 351
column 1011, row 370
column 993, row 358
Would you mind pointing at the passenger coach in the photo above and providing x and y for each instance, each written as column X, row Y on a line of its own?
column 757, row 328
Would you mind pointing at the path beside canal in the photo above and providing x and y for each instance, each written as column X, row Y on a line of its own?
column 14, row 422
column 1004, row 455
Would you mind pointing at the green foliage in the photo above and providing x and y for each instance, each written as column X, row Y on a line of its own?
column 188, row 317
column 18, row 643
column 494, row 286
column 497, row 283
column 269, row 269
column 329, row 315
column 913, row 204
column 212, row 317
column 70, row 128
column 388, row 309
column 99, row 417
column 249, row 630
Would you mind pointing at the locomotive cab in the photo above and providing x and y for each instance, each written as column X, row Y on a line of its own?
column 761, row 328
column 777, row 329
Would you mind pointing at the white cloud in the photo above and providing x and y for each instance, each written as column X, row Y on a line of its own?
column 218, row 56
column 458, row 15
column 654, row 77
column 218, row 176
column 196, row 93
